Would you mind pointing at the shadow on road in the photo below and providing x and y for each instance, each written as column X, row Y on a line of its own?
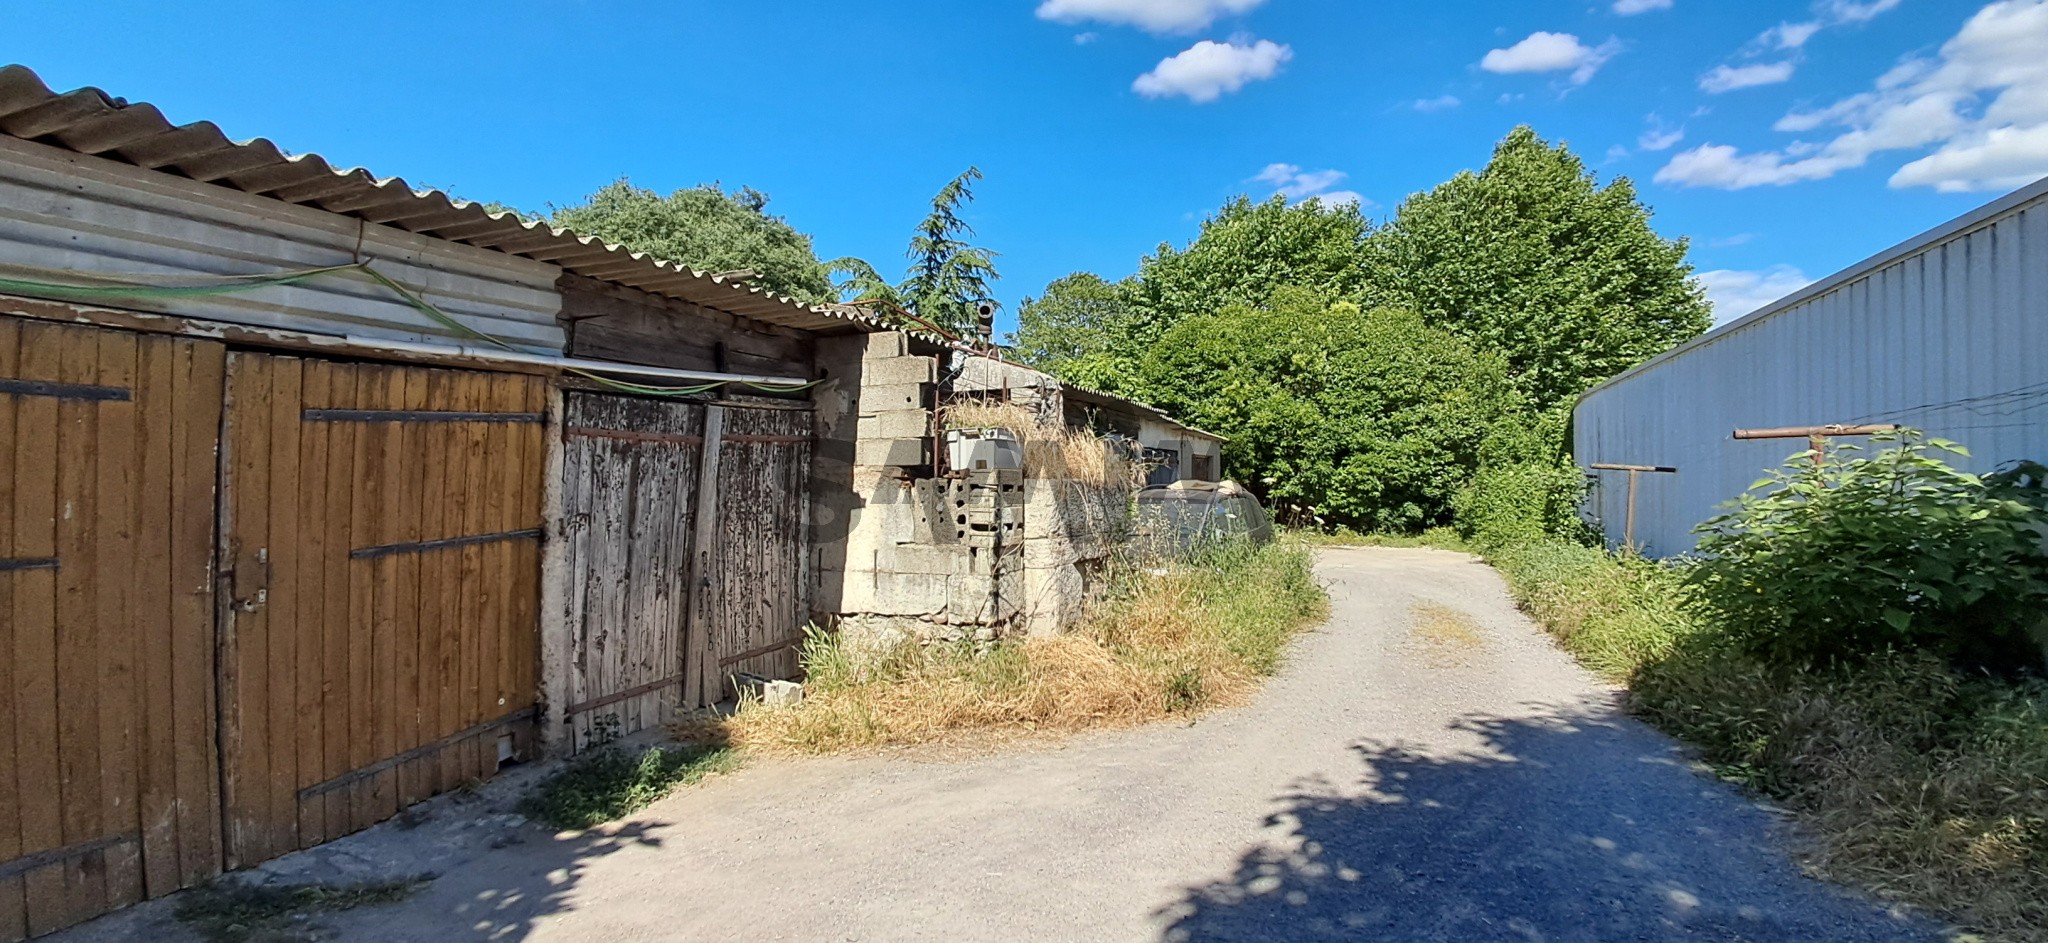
column 1565, row 826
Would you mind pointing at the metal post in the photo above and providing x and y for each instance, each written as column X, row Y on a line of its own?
column 1815, row 436
column 1629, row 530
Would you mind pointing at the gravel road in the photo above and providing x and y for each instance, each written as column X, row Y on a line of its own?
column 1427, row 767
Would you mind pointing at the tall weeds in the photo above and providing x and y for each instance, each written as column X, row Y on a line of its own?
column 1925, row 785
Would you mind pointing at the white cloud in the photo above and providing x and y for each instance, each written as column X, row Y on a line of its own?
column 1156, row 16
column 1788, row 35
column 1633, row 7
column 1439, row 103
column 1208, row 70
column 1734, row 293
column 1660, row 138
column 1083, row 39
column 1729, row 242
column 1551, row 52
column 1981, row 103
column 1999, row 159
column 1849, row 11
column 1290, row 181
column 1727, row 78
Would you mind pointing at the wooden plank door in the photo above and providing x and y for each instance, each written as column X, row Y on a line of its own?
column 630, row 481
column 108, row 775
column 380, row 530
column 758, row 564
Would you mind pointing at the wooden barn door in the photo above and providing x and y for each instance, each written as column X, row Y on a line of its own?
column 108, row 776
column 379, row 590
column 630, row 487
column 759, row 556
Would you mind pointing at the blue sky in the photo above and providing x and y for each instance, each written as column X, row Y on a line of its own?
column 1787, row 139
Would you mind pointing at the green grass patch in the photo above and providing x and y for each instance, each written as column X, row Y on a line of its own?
column 1924, row 784
column 1438, row 538
column 616, row 781
column 230, row 912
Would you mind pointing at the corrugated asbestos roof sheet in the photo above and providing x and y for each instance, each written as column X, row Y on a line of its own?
column 89, row 121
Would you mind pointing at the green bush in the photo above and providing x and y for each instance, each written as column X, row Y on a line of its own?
column 615, row 782
column 1526, row 488
column 1858, row 555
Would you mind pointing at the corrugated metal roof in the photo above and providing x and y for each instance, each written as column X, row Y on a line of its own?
column 1099, row 398
column 90, row 121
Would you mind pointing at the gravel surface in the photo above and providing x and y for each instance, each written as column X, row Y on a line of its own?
column 1427, row 767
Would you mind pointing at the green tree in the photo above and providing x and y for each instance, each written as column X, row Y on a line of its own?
column 1365, row 419
column 706, row 228
column 1245, row 253
column 1079, row 331
column 949, row 277
column 1529, row 257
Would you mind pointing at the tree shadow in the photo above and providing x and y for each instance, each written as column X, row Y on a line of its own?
column 1568, row 825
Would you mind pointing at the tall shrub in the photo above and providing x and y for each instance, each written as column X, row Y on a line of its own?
column 1899, row 550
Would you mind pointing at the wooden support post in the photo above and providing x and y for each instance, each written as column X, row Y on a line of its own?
column 1629, row 532
column 700, row 670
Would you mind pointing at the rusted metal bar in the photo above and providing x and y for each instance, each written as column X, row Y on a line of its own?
column 1603, row 466
column 1807, row 432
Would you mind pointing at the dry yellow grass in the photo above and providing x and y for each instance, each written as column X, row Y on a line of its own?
column 1050, row 451
column 1179, row 644
column 1445, row 637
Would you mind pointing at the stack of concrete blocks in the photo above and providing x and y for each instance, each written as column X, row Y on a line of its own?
column 906, row 556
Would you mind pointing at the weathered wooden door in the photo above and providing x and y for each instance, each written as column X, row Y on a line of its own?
column 380, row 531
column 677, row 582
column 629, row 492
column 108, row 780
column 759, row 564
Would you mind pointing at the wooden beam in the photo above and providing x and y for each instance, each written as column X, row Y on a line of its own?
column 700, row 673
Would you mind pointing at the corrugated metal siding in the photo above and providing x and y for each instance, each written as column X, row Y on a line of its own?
column 63, row 212
column 1948, row 337
column 89, row 121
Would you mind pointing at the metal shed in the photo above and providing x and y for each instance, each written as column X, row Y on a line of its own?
column 1943, row 332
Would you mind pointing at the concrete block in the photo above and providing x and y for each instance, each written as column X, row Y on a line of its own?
column 875, row 397
column 886, row 345
column 896, row 424
column 899, row 452
column 910, row 594
column 900, row 370
column 916, row 558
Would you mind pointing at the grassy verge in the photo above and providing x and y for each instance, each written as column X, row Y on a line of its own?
column 1441, row 538
column 615, row 782
column 226, row 912
column 1194, row 639
column 1921, row 784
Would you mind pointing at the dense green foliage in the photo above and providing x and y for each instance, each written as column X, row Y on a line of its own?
column 948, row 278
column 1859, row 555
column 1245, row 253
column 1924, row 782
column 1530, row 258
column 1367, row 419
column 1555, row 281
column 1526, row 485
column 1079, row 330
column 708, row 229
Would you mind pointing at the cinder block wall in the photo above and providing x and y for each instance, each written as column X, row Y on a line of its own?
column 902, row 555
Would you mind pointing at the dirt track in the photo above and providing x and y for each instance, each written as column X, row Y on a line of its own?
column 1428, row 767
